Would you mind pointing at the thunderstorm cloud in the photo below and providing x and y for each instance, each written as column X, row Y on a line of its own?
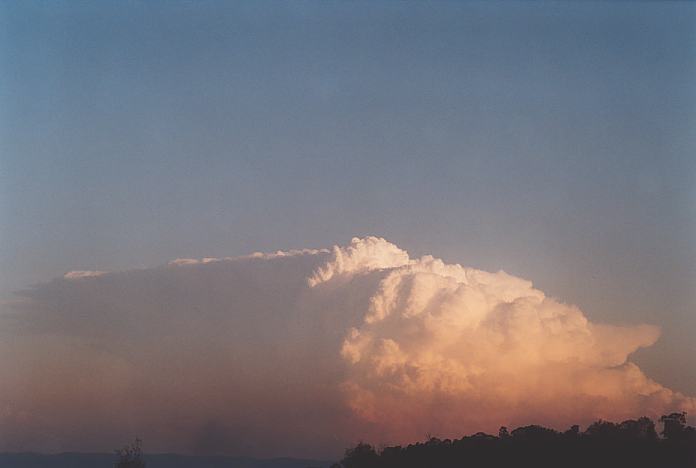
column 304, row 352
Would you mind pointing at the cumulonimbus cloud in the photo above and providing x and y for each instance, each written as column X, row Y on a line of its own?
column 304, row 352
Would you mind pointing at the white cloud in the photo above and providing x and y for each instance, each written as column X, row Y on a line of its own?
column 77, row 274
column 304, row 352
column 362, row 255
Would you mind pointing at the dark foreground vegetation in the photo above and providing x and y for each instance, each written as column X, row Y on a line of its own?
column 630, row 444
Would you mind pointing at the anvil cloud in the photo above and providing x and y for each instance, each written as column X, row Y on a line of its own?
column 304, row 352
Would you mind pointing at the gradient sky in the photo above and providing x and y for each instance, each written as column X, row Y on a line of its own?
column 552, row 140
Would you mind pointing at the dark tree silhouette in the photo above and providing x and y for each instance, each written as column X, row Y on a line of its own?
column 634, row 443
column 130, row 456
column 362, row 455
column 675, row 426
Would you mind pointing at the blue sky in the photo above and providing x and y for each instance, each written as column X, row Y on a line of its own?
column 552, row 140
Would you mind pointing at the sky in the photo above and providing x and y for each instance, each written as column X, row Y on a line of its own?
column 554, row 141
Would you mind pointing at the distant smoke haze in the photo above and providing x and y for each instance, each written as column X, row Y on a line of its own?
column 302, row 353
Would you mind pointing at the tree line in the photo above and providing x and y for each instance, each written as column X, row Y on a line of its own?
column 634, row 443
